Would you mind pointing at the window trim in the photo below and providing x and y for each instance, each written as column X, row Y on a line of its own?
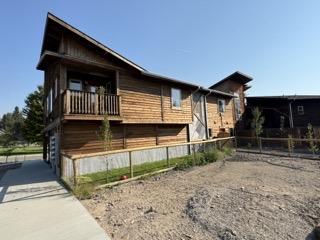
column 180, row 100
column 224, row 105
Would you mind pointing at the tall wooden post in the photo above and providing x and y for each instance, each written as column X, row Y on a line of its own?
column 130, row 163
column 194, row 155
column 168, row 157
column 260, row 144
column 75, row 172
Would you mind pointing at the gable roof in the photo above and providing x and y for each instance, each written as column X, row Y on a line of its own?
column 236, row 77
column 54, row 19
column 55, row 24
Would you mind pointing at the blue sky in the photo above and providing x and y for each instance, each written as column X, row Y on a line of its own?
column 201, row 41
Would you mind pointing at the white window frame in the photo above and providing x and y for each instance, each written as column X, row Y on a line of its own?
column 300, row 110
column 223, row 101
column 173, row 100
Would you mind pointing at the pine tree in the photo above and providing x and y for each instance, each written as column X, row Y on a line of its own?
column 33, row 112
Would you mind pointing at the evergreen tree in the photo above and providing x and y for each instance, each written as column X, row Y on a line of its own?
column 11, row 126
column 33, row 112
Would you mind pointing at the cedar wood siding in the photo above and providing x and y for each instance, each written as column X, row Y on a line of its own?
column 234, row 87
column 82, row 137
column 147, row 101
column 215, row 121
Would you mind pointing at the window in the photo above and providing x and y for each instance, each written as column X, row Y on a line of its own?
column 300, row 110
column 221, row 105
column 75, row 85
column 176, row 97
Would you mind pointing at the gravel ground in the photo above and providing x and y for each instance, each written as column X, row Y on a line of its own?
column 247, row 197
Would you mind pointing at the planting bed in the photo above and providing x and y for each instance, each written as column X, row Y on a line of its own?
column 248, row 197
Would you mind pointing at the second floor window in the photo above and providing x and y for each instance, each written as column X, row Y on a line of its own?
column 176, row 97
column 221, row 105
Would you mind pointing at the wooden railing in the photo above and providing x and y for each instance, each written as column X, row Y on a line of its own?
column 79, row 102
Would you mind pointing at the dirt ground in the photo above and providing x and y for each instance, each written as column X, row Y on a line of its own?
column 246, row 197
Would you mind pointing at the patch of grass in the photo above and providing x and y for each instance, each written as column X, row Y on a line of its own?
column 84, row 191
column 179, row 163
column 4, row 151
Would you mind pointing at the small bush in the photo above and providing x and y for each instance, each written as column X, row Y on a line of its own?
column 84, row 191
column 212, row 155
column 186, row 163
column 227, row 151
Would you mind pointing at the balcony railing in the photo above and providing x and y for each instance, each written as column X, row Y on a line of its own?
column 79, row 102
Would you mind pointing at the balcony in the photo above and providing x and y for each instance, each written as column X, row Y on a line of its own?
column 90, row 106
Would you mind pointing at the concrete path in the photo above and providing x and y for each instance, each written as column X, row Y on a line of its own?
column 33, row 205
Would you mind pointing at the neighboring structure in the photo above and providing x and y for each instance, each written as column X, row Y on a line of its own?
column 144, row 109
column 235, row 84
column 289, row 111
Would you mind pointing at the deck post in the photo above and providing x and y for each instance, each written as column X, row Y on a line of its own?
column 67, row 104
column 96, row 103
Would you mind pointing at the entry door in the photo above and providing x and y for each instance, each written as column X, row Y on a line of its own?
column 198, row 126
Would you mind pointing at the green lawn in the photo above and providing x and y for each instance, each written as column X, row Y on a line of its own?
column 149, row 167
column 20, row 150
column 103, row 177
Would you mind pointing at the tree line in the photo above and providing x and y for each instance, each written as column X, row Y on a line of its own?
column 24, row 126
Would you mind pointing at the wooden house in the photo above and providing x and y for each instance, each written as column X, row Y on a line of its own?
column 143, row 108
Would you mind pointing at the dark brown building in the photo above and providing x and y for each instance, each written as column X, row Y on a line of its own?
column 289, row 111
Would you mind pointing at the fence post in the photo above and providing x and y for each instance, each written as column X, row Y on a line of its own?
column 235, row 143
column 260, row 145
column 75, row 172
column 289, row 148
column 130, row 163
column 168, row 159
column 194, row 154
column 219, row 142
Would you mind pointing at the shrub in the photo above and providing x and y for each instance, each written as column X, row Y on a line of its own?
column 211, row 155
column 227, row 151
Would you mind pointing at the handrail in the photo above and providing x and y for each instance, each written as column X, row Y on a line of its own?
column 78, row 156
column 83, row 102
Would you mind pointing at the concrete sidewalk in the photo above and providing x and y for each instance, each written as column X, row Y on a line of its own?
column 33, row 205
